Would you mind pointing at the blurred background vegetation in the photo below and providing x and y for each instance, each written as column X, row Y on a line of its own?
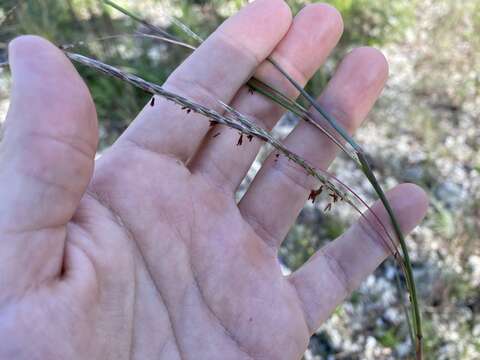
column 424, row 129
column 86, row 21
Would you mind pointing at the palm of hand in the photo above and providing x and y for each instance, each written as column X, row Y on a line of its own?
column 151, row 257
column 217, row 288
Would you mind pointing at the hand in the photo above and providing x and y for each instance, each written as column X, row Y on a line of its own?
column 145, row 254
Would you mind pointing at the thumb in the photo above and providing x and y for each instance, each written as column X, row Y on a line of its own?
column 47, row 156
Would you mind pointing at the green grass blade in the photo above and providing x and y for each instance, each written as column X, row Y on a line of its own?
column 367, row 170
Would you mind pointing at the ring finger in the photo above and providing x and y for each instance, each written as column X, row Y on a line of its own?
column 281, row 184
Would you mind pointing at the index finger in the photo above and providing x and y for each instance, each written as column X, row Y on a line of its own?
column 215, row 71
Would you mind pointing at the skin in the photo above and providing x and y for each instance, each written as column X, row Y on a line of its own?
column 144, row 253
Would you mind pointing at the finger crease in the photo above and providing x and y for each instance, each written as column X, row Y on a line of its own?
column 338, row 271
column 263, row 232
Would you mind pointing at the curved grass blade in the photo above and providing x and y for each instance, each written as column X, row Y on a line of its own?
column 367, row 170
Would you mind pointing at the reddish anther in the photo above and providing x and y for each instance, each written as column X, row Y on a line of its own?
column 314, row 193
column 240, row 140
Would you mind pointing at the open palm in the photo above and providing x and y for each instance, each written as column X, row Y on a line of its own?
column 144, row 253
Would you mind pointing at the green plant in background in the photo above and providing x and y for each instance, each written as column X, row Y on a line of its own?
column 84, row 22
column 304, row 239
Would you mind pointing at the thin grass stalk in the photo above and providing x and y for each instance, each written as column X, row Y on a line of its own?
column 387, row 244
column 186, row 29
column 140, row 20
column 417, row 320
column 399, row 287
column 331, row 120
column 7, row 14
column 367, row 170
column 119, row 36
column 369, row 209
